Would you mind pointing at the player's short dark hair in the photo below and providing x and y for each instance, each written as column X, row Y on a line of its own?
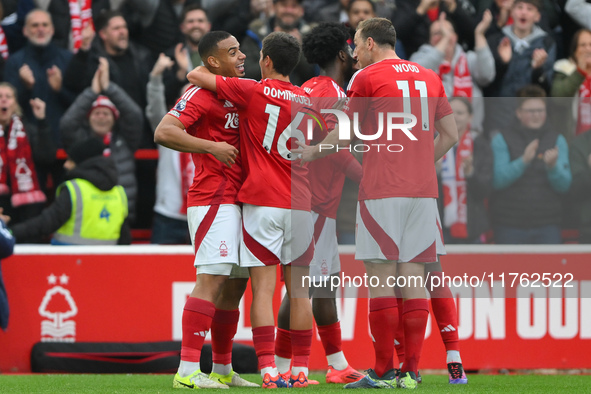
column 530, row 92
column 209, row 43
column 380, row 30
column 284, row 50
column 373, row 6
column 190, row 8
column 105, row 17
column 323, row 43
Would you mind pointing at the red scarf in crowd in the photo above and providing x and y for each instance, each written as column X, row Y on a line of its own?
column 455, row 209
column 3, row 44
column 17, row 165
column 187, row 172
column 584, row 107
column 80, row 17
column 462, row 76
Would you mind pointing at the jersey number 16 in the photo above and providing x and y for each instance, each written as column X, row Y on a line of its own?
column 291, row 131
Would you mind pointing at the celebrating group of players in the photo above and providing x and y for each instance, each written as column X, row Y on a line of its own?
column 254, row 205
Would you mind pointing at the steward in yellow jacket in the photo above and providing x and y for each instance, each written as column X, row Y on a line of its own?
column 90, row 208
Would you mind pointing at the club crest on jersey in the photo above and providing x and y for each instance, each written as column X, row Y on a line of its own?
column 223, row 249
column 181, row 105
column 324, row 268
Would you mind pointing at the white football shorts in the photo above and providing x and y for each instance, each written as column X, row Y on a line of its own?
column 272, row 236
column 215, row 233
column 233, row 271
column 326, row 254
column 399, row 229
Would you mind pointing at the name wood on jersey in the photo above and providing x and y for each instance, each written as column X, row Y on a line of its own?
column 404, row 67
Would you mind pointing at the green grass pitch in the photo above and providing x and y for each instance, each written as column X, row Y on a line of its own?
column 81, row 383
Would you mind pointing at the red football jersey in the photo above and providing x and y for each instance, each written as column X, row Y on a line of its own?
column 204, row 116
column 398, row 163
column 327, row 175
column 272, row 176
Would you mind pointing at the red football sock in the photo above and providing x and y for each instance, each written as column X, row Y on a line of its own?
column 223, row 329
column 301, row 344
column 263, row 339
column 283, row 343
column 197, row 316
column 414, row 319
column 446, row 313
column 383, row 319
column 399, row 333
column 331, row 338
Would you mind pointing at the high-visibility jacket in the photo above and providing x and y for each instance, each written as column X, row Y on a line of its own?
column 96, row 217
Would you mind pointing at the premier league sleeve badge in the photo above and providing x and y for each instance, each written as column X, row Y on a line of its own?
column 181, row 105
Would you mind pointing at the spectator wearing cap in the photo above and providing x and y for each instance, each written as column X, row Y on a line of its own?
column 129, row 65
column 105, row 111
column 90, row 208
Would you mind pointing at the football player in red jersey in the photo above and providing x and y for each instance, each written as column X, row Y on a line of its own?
column 277, row 223
column 207, row 127
column 326, row 45
column 397, row 218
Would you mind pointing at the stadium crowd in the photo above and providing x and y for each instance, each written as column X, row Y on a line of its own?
column 102, row 79
column 521, row 172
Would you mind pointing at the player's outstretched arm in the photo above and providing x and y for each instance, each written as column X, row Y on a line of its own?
column 170, row 133
column 329, row 145
column 448, row 135
column 202, row 77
